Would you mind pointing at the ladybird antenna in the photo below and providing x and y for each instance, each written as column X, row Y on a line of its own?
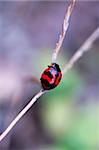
column 64, row 29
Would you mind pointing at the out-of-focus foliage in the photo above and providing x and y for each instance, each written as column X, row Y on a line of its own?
column 66, row 118
column 73, row 125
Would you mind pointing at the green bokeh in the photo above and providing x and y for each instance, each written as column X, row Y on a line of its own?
column 73, row 126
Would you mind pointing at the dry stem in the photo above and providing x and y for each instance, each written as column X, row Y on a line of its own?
column 85, row 47
column 64, row 29
column 20, row 115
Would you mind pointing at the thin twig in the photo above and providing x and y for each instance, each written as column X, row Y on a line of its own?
column 84, row 48
column 20, row 115
column 54, row 57
column 64, row 29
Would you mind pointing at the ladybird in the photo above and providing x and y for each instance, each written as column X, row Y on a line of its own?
column 51, row 77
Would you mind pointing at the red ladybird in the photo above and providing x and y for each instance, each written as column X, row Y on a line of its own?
column 51, row 77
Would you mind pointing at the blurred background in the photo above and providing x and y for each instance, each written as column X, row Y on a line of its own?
column 66, row 118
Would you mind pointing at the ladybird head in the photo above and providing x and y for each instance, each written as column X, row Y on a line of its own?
column 55, row 66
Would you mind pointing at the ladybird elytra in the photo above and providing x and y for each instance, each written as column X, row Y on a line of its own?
column 51, row 77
